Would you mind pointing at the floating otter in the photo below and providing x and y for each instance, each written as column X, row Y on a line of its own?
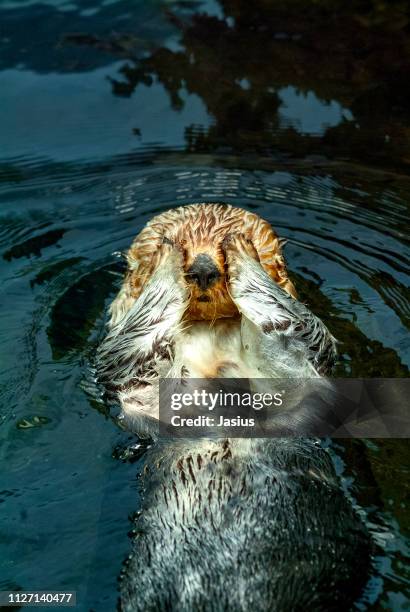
column 226, row 524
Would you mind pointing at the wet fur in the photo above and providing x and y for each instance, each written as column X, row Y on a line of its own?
column 200, row 229
column 244, row 525
column 227, row 524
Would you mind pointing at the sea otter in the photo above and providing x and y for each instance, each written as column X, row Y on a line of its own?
column 234, row 523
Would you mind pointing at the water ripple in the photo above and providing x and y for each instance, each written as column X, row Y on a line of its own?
column 60, row 237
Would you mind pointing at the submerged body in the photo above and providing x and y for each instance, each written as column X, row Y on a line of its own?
column 244, row 525
column 230, row 524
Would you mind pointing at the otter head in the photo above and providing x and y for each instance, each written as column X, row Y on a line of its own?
column 199, row 230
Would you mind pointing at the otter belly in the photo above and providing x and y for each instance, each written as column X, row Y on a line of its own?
column 212, row 350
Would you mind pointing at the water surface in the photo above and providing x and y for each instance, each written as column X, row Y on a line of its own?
column 115, row 111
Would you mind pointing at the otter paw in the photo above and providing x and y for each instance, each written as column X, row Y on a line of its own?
column 169, row 253
column 169, row 260
column 237, row 249
column 238, row 245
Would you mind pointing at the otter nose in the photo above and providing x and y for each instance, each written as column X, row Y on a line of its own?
column 203, row 272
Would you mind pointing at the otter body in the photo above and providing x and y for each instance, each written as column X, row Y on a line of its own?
column 232, row 524
column 244, row 525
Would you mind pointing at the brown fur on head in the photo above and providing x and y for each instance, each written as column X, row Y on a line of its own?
column 199, row 230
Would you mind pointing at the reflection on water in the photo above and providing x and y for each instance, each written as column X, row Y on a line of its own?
column 307, row 113
column 119, row 111
column 325, row 80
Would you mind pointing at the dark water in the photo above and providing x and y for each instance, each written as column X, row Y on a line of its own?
column 114, row 111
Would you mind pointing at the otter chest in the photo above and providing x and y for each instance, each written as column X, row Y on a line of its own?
column 211, row 350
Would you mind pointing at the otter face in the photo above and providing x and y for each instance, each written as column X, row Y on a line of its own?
column 199, row 231
column 205, row 274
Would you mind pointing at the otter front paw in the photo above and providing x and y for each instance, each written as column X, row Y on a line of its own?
column 238, row 249
column 169, row 266
column 238, row 245
column 169, row 255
